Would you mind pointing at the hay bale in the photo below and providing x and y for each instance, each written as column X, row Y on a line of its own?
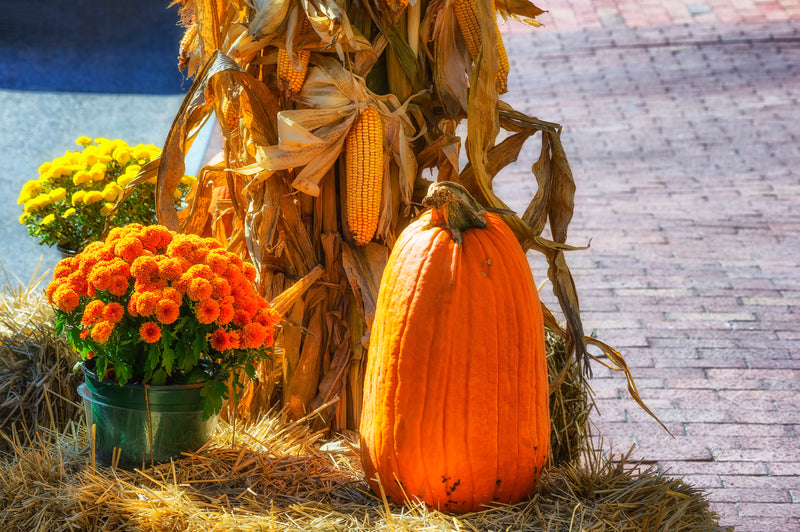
column 273, row 475
column 37, row 384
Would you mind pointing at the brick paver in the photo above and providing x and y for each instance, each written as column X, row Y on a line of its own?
column 684, row 139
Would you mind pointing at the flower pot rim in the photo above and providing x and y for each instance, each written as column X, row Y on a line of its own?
column 90, row 373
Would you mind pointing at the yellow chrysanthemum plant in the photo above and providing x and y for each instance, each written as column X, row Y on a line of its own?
column 69, row 203
column 150, row 306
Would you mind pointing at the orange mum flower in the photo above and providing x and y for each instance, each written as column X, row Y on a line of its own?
column 199, row 289
column 171, row 269
column 207, row 311
column 132, row 306
column 147, row 286
column 200, row 270
column 102, row 331
column 181, row 246
column 51, row 290
column 113, row 312
column 253, row 335
column 118, row 285
column 217, row 260
column 247, row 304
column 220, row 340
column 221, row 288
column 249, row 272
column 226, row 313
column 242, row 318
column 167, row 311
column 172, row 294
column 233, row 340
column 119, row 267
column 64, row 267
column 156, row 237
column 150, row 332
column 128, row 248
column 66, row 299
column 100, row 278
column 94, row 309
column 146, row 303
column 265, row 318
column 145, row 268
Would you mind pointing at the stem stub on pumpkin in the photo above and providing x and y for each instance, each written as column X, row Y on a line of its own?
column 453, row 208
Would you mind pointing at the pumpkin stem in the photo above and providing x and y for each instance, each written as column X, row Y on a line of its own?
column 453, row 208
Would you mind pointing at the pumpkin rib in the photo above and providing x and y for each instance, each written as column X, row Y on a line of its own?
column 438, row 245
column 537, row 341
column 503, row 249
column 509, row 316
column 407, row 258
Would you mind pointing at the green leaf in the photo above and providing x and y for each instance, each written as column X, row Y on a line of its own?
column 159, row 378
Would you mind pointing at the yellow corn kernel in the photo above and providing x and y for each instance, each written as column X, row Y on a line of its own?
column 467, row 17
column 364, row 175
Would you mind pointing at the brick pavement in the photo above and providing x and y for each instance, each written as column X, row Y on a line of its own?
column 684, row 142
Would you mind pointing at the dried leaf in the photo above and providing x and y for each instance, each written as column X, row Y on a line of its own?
column 452, row 61
column 364, row 267
column 618, row 364
column 268, row 16
column 520, row 10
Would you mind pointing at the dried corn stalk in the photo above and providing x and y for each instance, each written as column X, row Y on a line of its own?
column 285, row 167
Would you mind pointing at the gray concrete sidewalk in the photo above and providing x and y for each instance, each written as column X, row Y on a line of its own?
column 685, row 145
column 39, row 126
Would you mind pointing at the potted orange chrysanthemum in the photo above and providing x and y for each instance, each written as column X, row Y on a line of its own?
column 162, row 322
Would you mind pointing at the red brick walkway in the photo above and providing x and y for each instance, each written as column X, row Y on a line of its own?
column 684, row 138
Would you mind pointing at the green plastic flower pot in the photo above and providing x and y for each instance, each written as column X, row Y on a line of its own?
column 160, row 426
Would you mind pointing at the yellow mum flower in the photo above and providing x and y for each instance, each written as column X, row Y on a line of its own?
column 133, row 169
column 47, row 220
column 92, row 196
column 28, row 190
column 81, row 178
column 105, row 159
column 57, row 194
column 112, row 191
column 189, row 180
column 41, row 200
column 78, row 197
column 178, row 194
column 83, row 141
column 107, row 208
column 89, row 158
column 23, row 217
column 124, row 179
column 98, row 171
column 122, row 155
column 69, row 212
column 100, row 141
column 45, row 167
column 59, row 170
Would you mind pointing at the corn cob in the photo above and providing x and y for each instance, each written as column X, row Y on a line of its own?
column 185, row 46
column 364, row 175
column 230, row 113
column 289, row 79
column 467, row 17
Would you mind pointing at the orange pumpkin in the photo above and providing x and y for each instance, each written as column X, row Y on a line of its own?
column 455, row 410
